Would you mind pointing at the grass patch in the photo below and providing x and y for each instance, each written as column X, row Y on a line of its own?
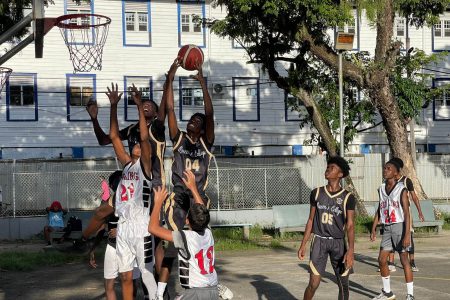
column 363, row 224
column 446, row 217
column 26, row 261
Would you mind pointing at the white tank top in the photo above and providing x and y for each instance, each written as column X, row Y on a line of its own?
column 196, row 265
column 391, row 210
column 133, row 193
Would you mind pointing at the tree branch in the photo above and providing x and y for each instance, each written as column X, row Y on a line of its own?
column 368, row 128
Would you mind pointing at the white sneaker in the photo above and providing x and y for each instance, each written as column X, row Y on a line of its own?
column 385, row 296
column 392, row 268
column 224, row 292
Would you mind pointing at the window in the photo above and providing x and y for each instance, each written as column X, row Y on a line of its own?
column 145, row 85
column 79, row 90
column 441, row 103
column 400, row 27
column 191, row 96
column 447, row 28
column 438, row 30
column 246, row 99
column 294, row 109
column 136, row 23
column 190, row 32
column 83, row 8
column 21, row 97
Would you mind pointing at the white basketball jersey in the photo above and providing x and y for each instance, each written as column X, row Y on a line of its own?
column 391, row 210
column 196, row 265
column 133, row 193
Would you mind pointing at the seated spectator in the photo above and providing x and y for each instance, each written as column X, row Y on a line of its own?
column 55, row 220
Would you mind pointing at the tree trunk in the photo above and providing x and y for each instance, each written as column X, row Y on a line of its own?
column 325, row 133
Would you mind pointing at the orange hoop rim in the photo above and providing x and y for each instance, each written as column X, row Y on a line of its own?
column 60, row 21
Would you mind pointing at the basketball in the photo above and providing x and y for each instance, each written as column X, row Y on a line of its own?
column 189, row 55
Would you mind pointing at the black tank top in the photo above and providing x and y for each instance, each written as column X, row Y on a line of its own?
column 330, row 217
column 158, row 144
column 195, row 156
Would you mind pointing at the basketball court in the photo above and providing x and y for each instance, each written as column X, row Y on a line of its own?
column 257, row 274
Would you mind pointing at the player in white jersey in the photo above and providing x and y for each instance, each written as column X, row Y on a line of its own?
column 393, row 214
column 195, row 246
column 133, row 202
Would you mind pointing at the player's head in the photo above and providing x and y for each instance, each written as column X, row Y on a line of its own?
column 136, row 151
column 114, row 179
column 198, row 217
column 150, row 108
column 391, row 170
column 197, row 123
column 337, row 168
column 397, row 161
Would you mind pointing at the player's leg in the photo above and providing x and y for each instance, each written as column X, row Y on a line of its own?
column 391, row 262
column 47, row 231
column 337, row 251
column 317, row 262
column 145, row 262
column 411, row 255
column 386, row 247
column 397, row 237
column 127, row 285
column 126, row 257
column 110, row 271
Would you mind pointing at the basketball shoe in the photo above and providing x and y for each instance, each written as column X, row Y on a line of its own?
column 224, row 292
column 385, row 296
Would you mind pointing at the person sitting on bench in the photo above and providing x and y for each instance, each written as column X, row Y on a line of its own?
column 55, row 220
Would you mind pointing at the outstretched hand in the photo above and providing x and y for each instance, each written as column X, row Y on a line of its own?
column 199, row 75
column 160, row 194
column 173, row 70
column 92, row 109
column 189, row 179
column 137, row 95
column 113, row 94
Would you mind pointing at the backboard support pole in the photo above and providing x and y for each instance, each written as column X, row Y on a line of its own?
column 16, row 28
column 28, row 40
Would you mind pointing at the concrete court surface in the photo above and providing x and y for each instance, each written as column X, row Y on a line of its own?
column 257, row 274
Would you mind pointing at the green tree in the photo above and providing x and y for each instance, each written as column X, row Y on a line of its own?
column 276, row 32
column 11, row 12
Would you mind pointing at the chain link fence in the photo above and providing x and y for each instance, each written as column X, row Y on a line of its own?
column 27, row 187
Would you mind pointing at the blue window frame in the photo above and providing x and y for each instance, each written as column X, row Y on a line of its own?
column 441, row 104
column 22, row 97
column 440, row 34
column 296, row 115
column 71, row 7
column 80, row 88
column 188, row 31
column 190, row 97
column 246, row 99
column 136, row 23
column 144, row 85
column 351, row 29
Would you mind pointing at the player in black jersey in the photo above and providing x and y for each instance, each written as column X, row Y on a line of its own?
column 331, row 214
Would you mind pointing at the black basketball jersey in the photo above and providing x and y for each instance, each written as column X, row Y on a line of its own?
column 407, row 182
column 195, row 156
column 158, row 144
column 331, row 211
column 112, row 223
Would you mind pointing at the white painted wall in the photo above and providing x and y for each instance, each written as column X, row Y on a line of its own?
column 52, row 133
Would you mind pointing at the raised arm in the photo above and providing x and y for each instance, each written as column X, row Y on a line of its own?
column 189, row 181
column 114, row 97
column 170, row 106
column 154, row 226
column 146, row 149
column 209, row 111
column 102, row 137
column 162, row 105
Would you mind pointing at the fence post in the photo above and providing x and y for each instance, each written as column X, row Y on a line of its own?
column 67, row 191
column 265, row 185
column 14, row 188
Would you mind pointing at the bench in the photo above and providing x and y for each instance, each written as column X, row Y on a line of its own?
column 57, row 235
column 289, row 218
column 428, row 214
column 245, row 228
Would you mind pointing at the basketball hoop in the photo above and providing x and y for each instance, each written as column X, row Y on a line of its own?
column 84, row 35
column 4, row 75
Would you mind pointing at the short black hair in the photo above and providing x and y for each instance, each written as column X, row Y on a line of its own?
column 114, row 179
column 198, row 217
column 153, row 102
column 397, row 162
column 341, row 163
column 202, row 117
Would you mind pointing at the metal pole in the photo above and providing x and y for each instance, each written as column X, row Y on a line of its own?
column 16, row 28
column 412, row 123
column 341, row 106
column 16, row 49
